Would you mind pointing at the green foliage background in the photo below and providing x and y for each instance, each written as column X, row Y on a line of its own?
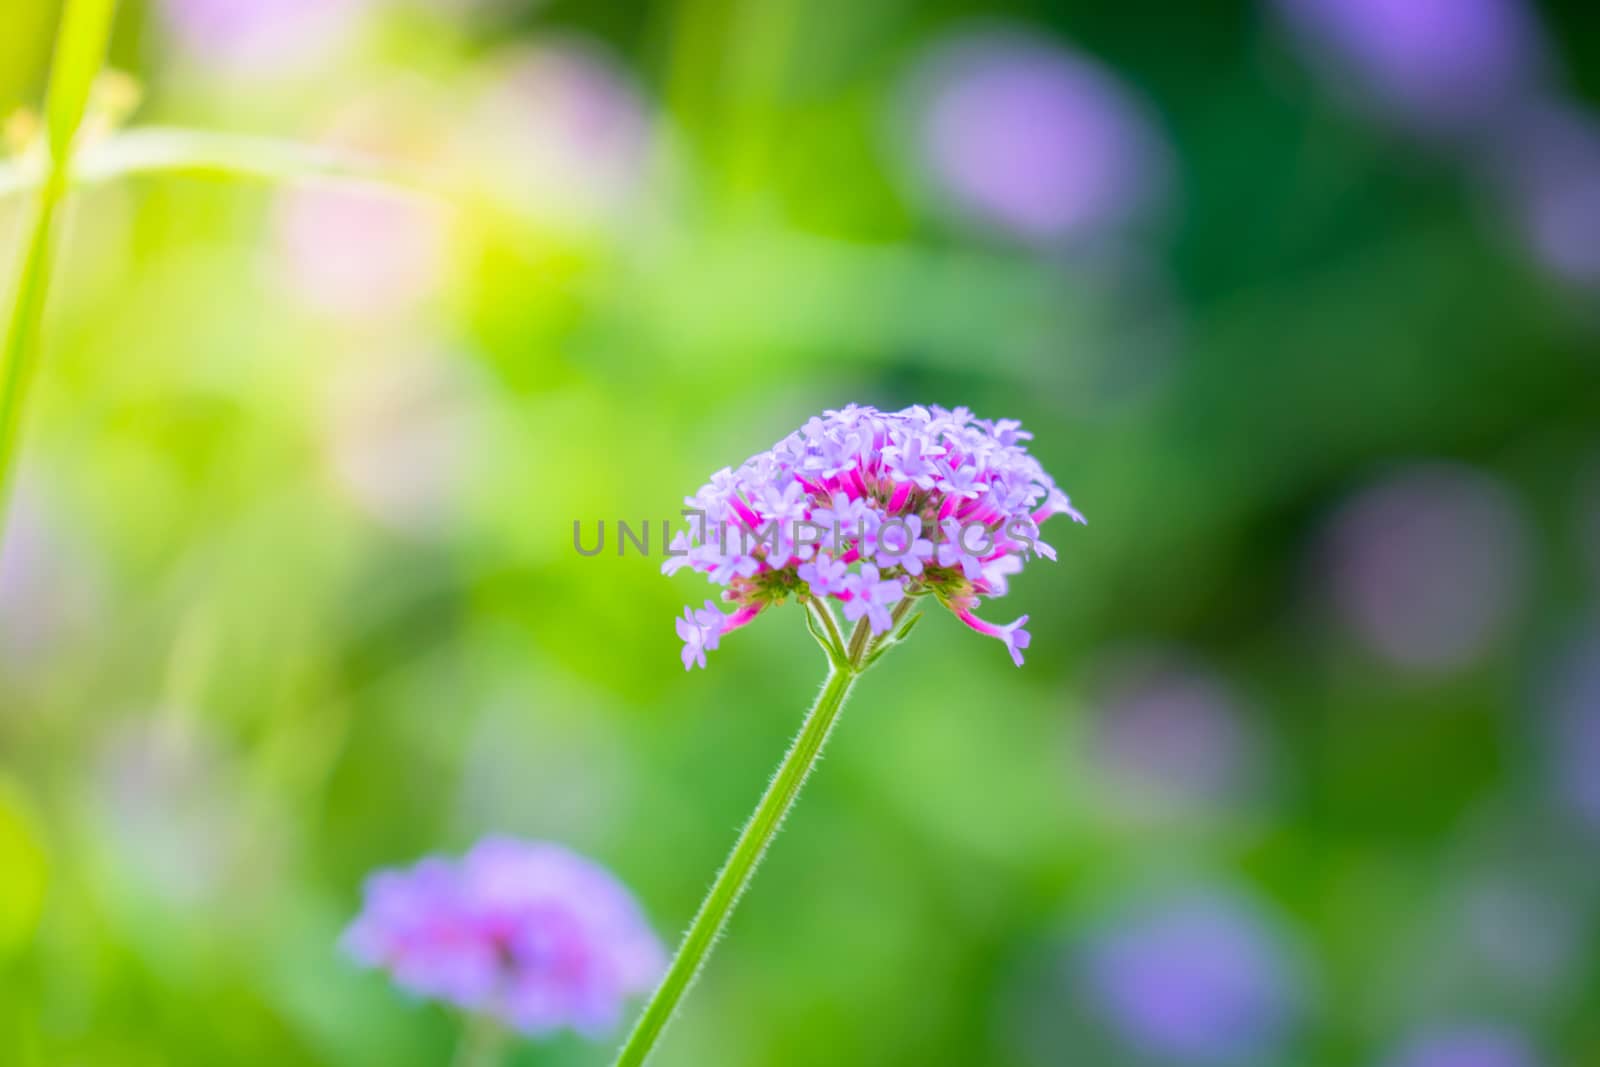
column 261, row 694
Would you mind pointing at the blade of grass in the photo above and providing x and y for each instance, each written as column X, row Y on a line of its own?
column 81, row 41
column 80, row 50
column 237, row 157
column 222, row 156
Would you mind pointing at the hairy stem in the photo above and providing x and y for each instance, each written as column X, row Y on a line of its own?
column 739, row 869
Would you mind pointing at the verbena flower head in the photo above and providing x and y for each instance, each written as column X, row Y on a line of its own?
column 867, row 507
column 529, row 933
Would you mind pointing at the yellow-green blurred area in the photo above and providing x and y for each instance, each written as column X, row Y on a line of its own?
column 1298, row 298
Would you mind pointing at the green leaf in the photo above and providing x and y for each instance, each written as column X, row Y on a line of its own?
column 201, row 153
column 80, row 49
column 27, row 311
column 905, row 627
column 80, row 52
column 836, row 655
column 221, row 156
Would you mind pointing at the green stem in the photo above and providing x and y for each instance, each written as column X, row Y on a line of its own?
column 482, row 1039
column 741, row 866
column 80, row 49
column 820, row 610
column 16, row 365
column 858, row 642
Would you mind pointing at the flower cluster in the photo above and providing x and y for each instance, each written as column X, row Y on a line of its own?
column 869, row 508
column 531, row 934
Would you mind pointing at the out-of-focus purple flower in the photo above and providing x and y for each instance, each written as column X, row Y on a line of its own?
column 1547, row 171
column 359, row 254
column 1167, row 736
column 1589, row 520
column 1444, row 66
column 45, row 589
column 257, row 37
column 1466, row 1046
column 1200, row 979
column 1428, row 566
column 175, row 822
column 529, row 933
column 1525, row 932
column 799, row 513
column 561, row 135
column 401, row 432
column 1572, row 700
column 1025, row 135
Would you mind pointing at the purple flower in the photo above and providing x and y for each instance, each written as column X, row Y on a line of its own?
column 529, row 933
column 871, row 597
column 1167, row 735
column 700, row 631
column 1588, row 525
column 1572, row 701
column 400, row 434
column 1429, row 566
column 1012, row 635
column 1198, row 980
column 168, row 799
column 48, row 590
column 954, row 550
column 562, row 135
column 1439, row 65
column 253, row 37
column 873, row 482
column 825, row 575
column 1025, row 135
column 1466, row 1046
column 359, row 254
column 1523, row 928
column 902, row 544
column 1547, row 173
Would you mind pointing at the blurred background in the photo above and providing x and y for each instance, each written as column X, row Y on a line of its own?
column 1299, row 298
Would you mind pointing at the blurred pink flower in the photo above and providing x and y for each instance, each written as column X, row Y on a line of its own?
column 168, row 799
column 46, row 590
column 401, row 433
column 1429, row 566
column 1167, row 736
column 360, row 254
column 561, row 134
column 1025, row 135
column 259, row 37
column 366, row 255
